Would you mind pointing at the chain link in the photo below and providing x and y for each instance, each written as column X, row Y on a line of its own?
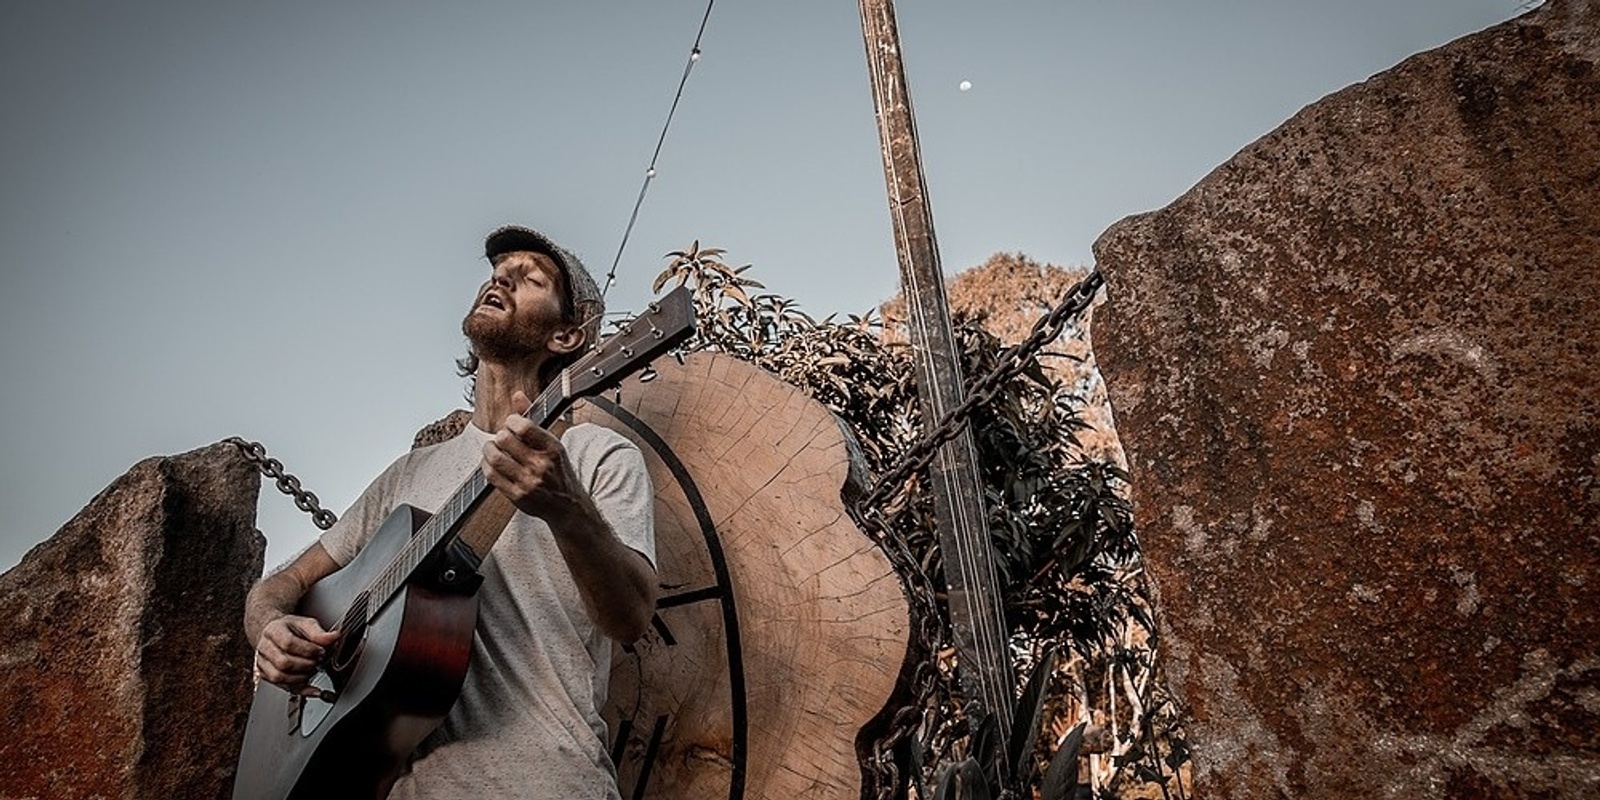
column 304, row 499
column 1011, row 363
column 919, row 587
column 924, row 644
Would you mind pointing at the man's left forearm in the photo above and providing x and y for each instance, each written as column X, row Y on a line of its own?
column 617, row 583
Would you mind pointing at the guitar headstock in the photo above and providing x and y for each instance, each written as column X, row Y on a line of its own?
column 665, row 324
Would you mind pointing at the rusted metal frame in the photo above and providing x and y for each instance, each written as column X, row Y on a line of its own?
column 976, row 614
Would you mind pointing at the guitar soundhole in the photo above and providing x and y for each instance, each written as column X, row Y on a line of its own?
column 346, row 649
column 351, row 633
column 335, row 668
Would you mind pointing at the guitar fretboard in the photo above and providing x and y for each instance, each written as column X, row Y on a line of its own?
column 438, row 529
column 666, row 323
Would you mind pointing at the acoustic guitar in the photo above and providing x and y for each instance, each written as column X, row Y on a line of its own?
column 406, row 610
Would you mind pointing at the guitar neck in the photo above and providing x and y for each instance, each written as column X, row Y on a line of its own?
column 475, row 514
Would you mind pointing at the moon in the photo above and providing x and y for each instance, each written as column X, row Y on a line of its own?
column 964, row 85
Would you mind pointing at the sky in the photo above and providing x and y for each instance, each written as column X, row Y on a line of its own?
column 266, row 220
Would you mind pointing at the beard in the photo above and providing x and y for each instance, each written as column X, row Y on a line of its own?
column 497, row 337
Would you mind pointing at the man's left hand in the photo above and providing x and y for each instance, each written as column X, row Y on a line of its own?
column 529, row 465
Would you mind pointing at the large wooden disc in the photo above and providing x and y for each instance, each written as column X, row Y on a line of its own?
column 781, row 628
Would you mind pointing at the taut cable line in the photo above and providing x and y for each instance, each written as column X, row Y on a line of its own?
column 650, row 172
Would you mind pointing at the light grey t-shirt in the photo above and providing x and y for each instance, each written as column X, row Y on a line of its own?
column 527, row 724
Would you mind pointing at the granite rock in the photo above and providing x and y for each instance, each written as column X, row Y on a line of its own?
column 126, row 670
column 1356, row 370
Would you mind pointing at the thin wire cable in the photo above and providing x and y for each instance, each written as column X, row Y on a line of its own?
column 650, row 173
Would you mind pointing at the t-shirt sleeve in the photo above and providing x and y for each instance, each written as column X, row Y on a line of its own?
column 621, row 489
column 359, row 522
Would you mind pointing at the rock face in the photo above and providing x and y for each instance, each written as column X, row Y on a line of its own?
column 1357, row 373
column 125, row 671
column 443, row 429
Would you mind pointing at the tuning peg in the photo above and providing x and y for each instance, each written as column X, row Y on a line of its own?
column 647, row 374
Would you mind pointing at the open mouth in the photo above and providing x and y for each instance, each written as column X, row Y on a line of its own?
column 493, row 300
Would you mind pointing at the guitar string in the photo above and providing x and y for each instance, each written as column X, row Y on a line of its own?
column 914, row 291
column 388, row 582
column 988, row 625
column 985, row 627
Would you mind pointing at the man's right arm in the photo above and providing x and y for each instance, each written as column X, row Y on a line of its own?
column 288, row 646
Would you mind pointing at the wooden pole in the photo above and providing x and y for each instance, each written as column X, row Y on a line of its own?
column 975, row 611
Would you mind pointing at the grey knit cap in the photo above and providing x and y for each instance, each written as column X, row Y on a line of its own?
column 588, row 305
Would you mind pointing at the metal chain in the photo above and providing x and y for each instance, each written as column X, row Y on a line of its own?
column 1011, row 363
column 925, row 611
column 925, row 646
column 304, row 499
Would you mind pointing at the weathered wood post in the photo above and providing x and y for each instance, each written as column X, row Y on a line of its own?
column 958, row 500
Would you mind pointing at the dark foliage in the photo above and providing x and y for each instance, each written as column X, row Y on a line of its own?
column 1060, row 524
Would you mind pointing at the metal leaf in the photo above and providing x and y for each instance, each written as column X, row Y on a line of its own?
column 733, row 290
column 1025, row 722
column 916, row 752
column 1061, row 778
column 986, row 746
column 661, row 280
column 947, row 784
column 973, row 785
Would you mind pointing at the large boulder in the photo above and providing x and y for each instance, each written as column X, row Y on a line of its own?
column 126, row 672
column 1356, row 370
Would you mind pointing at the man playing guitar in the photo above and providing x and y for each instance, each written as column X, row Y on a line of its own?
column 573, row 570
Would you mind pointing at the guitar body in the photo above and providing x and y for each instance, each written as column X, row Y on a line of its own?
column 396, row 678
column 406, row 608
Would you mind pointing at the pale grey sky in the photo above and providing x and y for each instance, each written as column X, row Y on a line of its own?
column 265, row 220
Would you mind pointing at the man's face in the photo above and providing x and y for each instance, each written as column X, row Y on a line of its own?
column 517, row 312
